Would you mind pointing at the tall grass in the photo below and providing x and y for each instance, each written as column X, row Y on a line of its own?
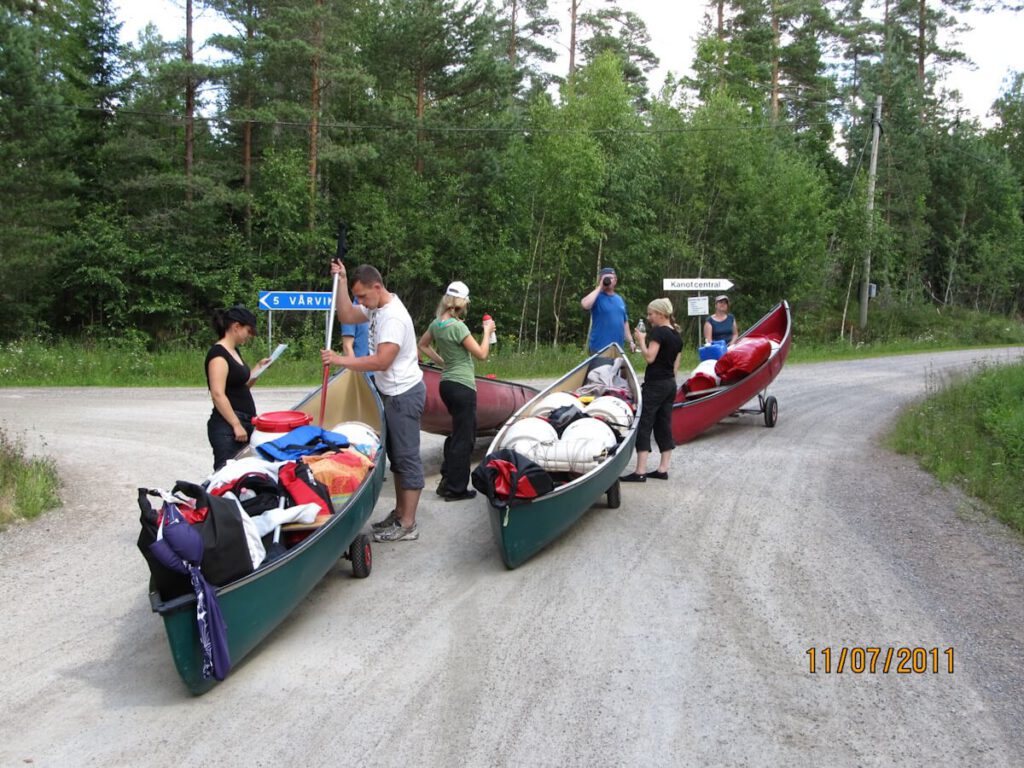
column 128, row 361
column 32, row 363
column 28, row 486
column 897, row 331
column 970, row 432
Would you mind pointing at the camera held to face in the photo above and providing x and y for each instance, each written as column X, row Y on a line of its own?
column 607, row 281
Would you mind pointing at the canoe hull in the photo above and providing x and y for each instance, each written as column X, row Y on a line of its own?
column 693, row 417
column 496, row 400
column 255, row 605
column 523, row 530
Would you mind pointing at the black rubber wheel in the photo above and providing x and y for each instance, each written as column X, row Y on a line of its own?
column 361, row 554
column 771, row 411
column 615, row 496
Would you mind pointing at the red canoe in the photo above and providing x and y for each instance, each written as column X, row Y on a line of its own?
column 697, row 411
column 496, row 400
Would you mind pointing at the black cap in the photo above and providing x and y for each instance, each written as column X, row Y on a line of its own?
column 241, row 314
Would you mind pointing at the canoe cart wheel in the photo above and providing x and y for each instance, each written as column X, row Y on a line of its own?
column 615, row 496
column 361, row 554
column 771, row 411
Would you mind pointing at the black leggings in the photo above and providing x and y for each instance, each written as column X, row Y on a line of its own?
column 460, row 401
column 656, row 415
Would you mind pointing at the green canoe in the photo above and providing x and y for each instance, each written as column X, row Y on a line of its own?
column 255, row 604
column 530, row 525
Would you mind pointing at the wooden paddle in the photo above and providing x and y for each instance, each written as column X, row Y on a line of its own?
column 338, row 256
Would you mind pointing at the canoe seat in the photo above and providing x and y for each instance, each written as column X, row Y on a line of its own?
column 318, row 522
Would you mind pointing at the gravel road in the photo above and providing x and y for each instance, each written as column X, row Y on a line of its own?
column 672, row 631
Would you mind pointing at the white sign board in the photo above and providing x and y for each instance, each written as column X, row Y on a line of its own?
column 695, row 284
column 697, row 305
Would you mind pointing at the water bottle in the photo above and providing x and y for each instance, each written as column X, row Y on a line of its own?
column 494, row 336
column 640, row 326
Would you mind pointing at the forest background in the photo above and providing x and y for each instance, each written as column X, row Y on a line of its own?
column 142, row 187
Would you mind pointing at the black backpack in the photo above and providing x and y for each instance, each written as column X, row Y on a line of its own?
column 560, row 418
column 266, row 492
column 507, row 478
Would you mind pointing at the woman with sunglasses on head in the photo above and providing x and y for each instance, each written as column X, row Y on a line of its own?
column 721, row 326
column 661, row 348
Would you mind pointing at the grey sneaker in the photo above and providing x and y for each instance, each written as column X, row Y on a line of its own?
column 386, row 522
column 397, row 533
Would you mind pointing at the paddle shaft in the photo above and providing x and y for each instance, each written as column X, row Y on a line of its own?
column 327, row 368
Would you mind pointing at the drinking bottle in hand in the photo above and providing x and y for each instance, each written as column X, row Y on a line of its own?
column 640, row 326
column 494, row 336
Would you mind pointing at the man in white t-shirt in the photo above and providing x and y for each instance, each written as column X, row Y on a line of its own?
column 394, row 361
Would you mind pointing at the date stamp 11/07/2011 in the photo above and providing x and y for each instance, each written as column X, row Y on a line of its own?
column 871, row 660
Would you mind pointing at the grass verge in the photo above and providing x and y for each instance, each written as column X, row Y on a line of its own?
column 129, row 360
column 970, row 431
column 28, row 486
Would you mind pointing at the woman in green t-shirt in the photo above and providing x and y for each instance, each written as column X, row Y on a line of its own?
column 449, row 343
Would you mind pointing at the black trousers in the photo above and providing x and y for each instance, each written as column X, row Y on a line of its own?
column 656, row 415
column 460, row 401
column 222, row 437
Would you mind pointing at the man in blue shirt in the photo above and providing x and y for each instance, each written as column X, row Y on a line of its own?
column 355, row 339
column 609, row 321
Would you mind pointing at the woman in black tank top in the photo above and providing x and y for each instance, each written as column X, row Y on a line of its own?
column 661, row 349
column 229, row 379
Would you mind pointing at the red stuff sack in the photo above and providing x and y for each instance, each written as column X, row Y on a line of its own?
column 743, row 358
column 703, row 377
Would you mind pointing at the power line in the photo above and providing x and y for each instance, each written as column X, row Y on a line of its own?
column 177, row 119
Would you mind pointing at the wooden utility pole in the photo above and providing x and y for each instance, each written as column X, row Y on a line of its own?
column 250, row 34
column 776, row 53
column 314, row 110
column 190, row 102
column 876, row 130
column 574, row 6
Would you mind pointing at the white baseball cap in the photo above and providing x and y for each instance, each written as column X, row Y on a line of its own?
column 458, row 289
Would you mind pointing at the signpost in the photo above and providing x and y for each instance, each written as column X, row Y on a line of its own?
column 295, row 300
column 696, row 305
column 695, row 284
column 292, row 301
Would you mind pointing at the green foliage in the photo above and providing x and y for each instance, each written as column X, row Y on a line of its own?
column 36, row 181
column 427, row 128
column 970, row 432
column 28, row 485
column 898, row 328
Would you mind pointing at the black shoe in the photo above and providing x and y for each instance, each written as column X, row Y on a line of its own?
column 460, row 496
column 658, row 475
column 633, row 477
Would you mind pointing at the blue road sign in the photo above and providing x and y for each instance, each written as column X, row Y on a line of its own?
column 295, row 300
